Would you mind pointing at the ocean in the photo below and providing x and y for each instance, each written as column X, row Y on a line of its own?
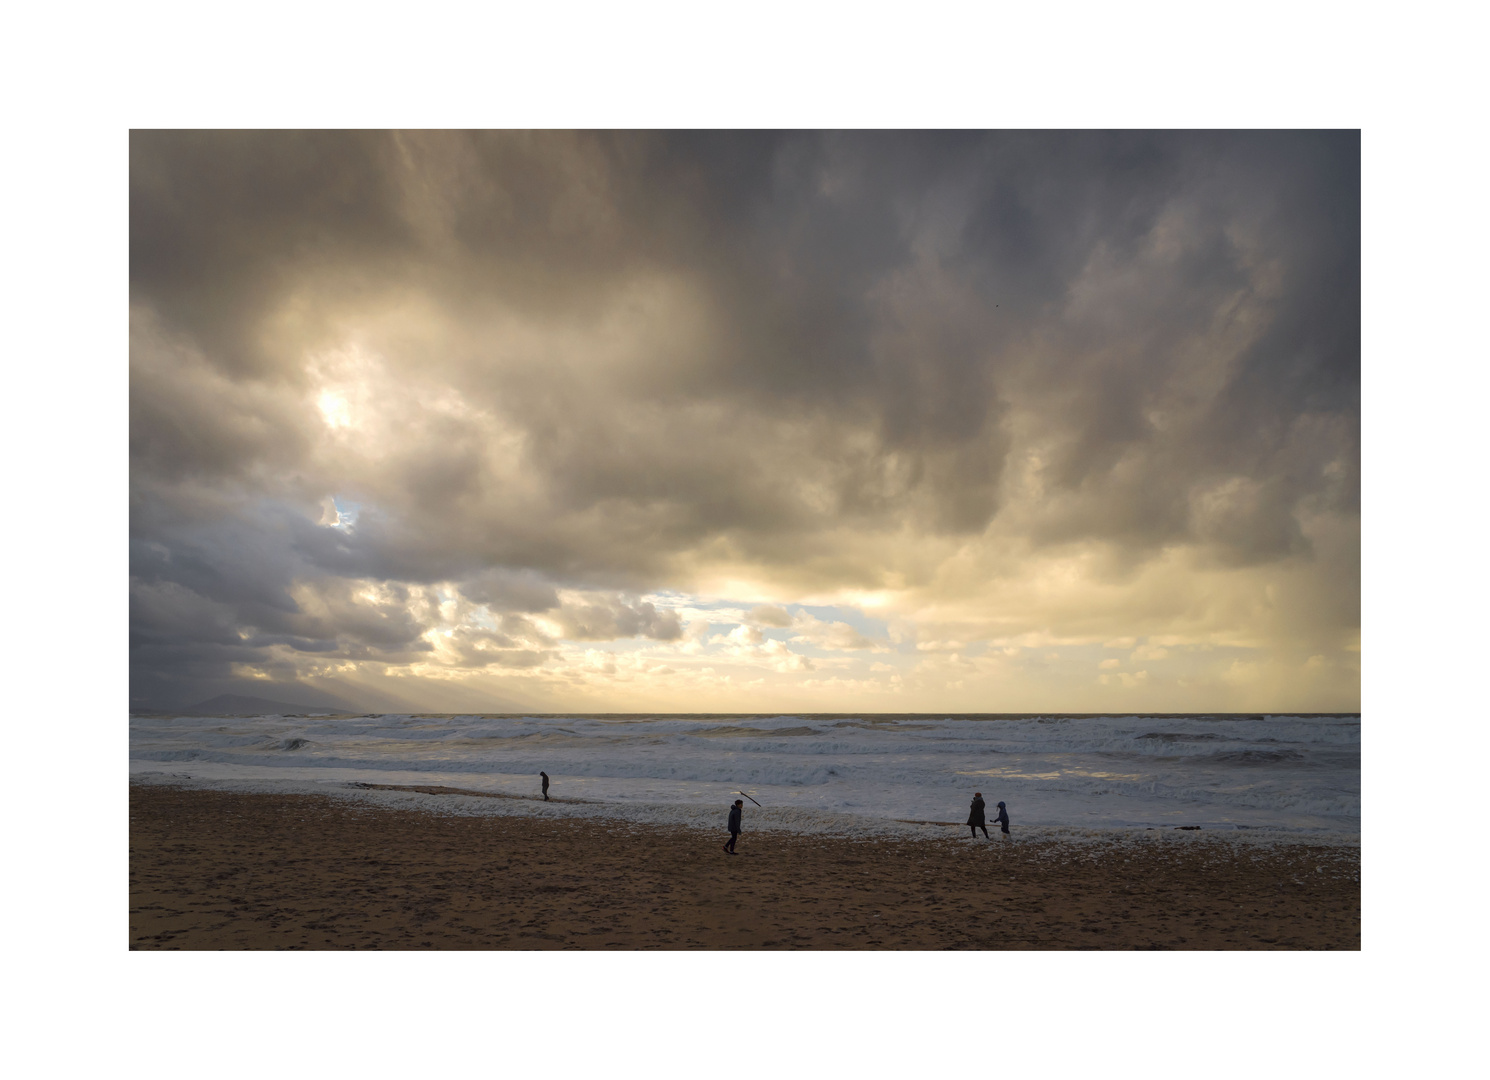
column 810, row 772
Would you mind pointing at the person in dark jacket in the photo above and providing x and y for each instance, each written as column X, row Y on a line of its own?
column 975, row 816
column 734, row 825
column 1003, row 821
column 545, row 785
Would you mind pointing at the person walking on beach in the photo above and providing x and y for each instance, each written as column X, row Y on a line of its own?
column 1003, row 821
column 734, row 825
column 975, row 816
column 545, row 785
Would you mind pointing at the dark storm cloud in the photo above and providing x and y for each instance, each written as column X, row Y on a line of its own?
column 213, row 218
column 511, row 592
column 618, row 619
column 597, row 362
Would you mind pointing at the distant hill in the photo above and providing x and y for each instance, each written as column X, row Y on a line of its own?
column 241, row 705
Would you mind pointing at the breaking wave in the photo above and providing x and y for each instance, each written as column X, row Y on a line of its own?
column 1254, row 771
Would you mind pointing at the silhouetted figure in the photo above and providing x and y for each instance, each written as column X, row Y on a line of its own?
column 734, row 825
column 1003, row 821
column 545, row 785
column 975, row 816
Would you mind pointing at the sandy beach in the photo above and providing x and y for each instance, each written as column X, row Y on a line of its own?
column 228, row 870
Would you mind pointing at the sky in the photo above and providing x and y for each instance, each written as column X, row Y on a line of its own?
column 746, row 421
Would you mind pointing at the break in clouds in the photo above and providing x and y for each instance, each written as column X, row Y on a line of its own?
column 740, row 422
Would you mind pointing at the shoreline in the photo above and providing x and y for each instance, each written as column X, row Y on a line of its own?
column 212, row 868
column 460, row 801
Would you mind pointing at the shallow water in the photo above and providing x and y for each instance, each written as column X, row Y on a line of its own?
column 1294, row 773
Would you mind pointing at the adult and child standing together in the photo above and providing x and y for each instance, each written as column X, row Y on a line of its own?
column 975, row 816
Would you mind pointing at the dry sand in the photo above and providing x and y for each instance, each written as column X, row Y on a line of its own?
column 229, row 870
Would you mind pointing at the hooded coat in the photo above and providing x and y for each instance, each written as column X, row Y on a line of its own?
column 976, row 815
column 1003, row 818
column 734, row 818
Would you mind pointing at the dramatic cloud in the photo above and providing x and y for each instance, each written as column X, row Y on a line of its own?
column 748, row 421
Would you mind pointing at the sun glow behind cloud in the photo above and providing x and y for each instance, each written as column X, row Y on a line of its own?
column 620, row 424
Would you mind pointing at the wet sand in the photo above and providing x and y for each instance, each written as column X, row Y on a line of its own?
column 229, row 870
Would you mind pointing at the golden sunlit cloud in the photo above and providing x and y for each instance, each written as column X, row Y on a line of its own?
column 749, row 423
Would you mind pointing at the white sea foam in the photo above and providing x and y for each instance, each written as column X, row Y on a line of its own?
column 1276, row 773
